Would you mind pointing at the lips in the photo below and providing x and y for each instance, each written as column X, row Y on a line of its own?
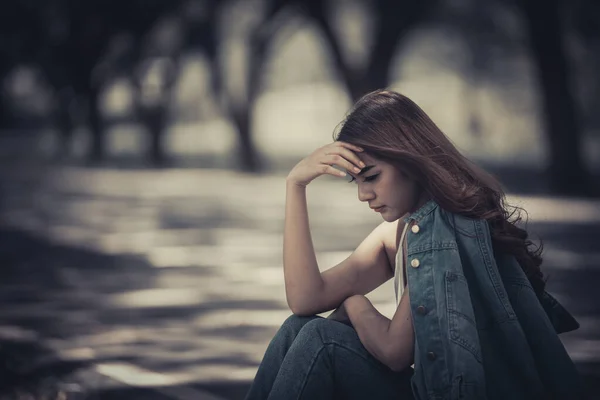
column 377, row 209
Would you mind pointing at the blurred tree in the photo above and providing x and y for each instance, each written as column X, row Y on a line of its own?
column 240, row 105
column 203, row 33
column 394, row 20
column 490, row 31
column 155, row 69
column 482, row 36
column 584, row 20
column 20, row 33
column 79, row 36
column 567, row 173
column 201, row 20
column 70, row 42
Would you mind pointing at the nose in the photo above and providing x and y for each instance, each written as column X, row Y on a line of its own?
column 365, row 194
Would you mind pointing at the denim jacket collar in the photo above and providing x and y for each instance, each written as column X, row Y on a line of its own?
column 421, row 212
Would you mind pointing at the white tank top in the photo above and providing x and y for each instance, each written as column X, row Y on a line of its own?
column 399, row 283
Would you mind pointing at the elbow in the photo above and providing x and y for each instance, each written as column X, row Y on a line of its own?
column 294, row 308
column 399, row 364
column 398, row 361
column 304, row 309
column 303, row 306
column 301, row 313
column 299, row 308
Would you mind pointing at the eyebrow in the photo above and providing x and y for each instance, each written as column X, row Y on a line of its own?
column 365, row 169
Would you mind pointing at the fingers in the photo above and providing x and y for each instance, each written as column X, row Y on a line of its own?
column 349, row 146
column 328, row 169
column 348, row 150
column 340, row 154
column 340, row 161
column 353, row 158
column 344, row 158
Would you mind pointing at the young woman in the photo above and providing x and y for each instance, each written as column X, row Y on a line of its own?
column 473, row 320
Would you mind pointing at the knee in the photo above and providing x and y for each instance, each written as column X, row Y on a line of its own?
column 296, row 322
column 321, row 328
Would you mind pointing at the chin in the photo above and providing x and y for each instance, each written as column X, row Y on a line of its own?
column 390, row 217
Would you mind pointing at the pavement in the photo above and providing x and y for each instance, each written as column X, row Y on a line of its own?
column 167, row 284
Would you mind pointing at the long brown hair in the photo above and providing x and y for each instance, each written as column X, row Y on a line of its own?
column 392, row 128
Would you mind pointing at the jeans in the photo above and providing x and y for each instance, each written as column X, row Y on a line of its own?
column 317, row 358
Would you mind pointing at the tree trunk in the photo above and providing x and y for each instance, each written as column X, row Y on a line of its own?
column 155, row 119
column 242, row 110
column 64, row 124
column 394, row 19
column 5, row 115
column 247, row 151
column 566, row 171
column 97, row 151
column 241, row 107
column 351, row 78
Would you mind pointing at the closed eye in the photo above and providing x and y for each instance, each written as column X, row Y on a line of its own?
column 367, row 178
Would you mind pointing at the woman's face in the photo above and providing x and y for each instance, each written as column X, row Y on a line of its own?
column 382, row 186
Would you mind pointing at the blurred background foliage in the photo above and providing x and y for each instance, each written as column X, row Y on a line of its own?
column 85, row 73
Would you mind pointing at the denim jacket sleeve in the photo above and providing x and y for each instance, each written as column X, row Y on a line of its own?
column 480, row 331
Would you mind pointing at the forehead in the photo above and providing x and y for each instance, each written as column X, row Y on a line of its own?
column 368, row 159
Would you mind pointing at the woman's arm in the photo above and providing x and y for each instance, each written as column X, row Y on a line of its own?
column 340, row 314
column 311, row 292
column 301, row 271
column 389, row 341
column 303, row 281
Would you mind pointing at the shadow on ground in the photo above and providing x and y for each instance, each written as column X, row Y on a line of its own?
column 38, row 298
column 59, row 295
column 28, row 369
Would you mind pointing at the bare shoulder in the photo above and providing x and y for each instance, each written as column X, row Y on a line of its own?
column 390, row 235
column 366, row 268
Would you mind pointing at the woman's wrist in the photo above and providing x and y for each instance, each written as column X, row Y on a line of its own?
column 291, row 182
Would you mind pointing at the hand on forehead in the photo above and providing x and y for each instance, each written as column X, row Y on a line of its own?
column 366, row 158
column 369, row 161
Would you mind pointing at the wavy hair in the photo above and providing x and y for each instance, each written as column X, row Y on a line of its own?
column 392, row 128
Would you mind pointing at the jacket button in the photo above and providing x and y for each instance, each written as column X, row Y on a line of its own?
column 431, row 355
column 422, row 310
column 415, row 263
column 415, row 229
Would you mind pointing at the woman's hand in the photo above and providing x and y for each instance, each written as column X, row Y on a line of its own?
column 321, row 162
column 340, row 315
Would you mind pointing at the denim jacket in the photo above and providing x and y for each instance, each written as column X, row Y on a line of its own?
column 481, row 332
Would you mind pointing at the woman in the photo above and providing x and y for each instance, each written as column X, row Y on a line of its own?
column 472, row 316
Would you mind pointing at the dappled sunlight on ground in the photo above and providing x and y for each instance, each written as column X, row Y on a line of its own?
column 165, row 297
